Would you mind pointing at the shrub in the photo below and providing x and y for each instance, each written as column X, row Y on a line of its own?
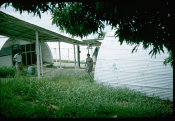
column 7, row 71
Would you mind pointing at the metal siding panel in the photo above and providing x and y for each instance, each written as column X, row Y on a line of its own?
column 6, row 60
column 117, row 66
column 46, row 53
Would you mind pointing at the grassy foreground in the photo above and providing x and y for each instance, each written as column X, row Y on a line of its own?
column 75, row 96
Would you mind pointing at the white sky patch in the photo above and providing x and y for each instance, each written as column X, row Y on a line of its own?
column 46, row 22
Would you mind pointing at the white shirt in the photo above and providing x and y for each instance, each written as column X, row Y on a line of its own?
column 18, row 58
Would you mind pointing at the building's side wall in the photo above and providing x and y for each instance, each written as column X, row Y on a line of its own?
column 6, row 52
column 117, row 66
column 46, row 53
column 6, row 60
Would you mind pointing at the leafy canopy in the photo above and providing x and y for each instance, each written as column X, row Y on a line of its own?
column 146, row 22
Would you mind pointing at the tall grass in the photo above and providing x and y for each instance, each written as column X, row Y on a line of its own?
column 73, row 95
column 7, row 71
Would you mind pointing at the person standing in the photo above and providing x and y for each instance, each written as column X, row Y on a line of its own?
column 18, row 62
column 89, row 63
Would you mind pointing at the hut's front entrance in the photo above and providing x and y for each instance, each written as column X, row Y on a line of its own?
column 28, row 53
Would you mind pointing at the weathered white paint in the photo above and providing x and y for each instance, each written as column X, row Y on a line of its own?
column 117, row 66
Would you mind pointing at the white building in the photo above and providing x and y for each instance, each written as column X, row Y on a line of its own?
column 117, row 66
column 31, row 38
column 9, row 48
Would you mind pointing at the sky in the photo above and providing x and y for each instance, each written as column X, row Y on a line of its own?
column 46, row 22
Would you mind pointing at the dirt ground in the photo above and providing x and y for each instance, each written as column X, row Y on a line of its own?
column 67, row 64
column 53, row 71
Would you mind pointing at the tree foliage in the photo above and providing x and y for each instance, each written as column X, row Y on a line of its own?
column 75, row 19
column 146, row 22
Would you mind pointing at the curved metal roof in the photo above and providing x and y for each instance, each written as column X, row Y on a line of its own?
column 19, row 29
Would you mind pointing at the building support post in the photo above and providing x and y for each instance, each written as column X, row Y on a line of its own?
column 37, row 53
column 78, row 55
column 41, row 60
column 25, row 54
column 75, row 58
column 31, row 55
column 91, row 52
column 56, row 54
column 88, row 47
column 59, row 53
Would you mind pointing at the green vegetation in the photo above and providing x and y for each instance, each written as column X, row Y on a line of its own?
column 73, row 95
column 7, row 71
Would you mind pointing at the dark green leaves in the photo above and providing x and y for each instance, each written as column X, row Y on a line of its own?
column 169, row 59
column 76, row 19
column 147, row 22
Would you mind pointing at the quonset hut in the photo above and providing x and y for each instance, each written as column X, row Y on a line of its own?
column 10, row 46
column 117, row 66
column 31, row 38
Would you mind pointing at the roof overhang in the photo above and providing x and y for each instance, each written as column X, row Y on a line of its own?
column 19, row 29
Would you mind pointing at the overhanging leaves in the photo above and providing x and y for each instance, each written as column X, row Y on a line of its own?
column 147, row 22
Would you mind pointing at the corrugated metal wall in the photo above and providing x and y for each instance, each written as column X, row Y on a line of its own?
column 117, row 66
column 46, row 53
column 6, row 60
column 6, row 52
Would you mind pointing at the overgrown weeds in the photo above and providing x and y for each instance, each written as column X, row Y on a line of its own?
column 73, row 95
